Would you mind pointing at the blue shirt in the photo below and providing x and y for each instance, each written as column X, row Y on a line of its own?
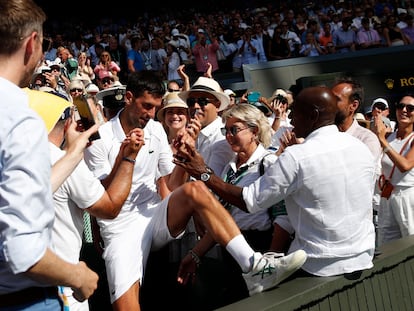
column 26, row 206
column 137, row 58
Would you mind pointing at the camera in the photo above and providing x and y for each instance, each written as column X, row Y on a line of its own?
column 281, row 99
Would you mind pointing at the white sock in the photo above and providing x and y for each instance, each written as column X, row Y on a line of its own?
column 241, row 252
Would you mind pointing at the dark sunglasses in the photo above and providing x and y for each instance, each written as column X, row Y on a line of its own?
column 171, row 90
column 202, row 101
column 76, row 90
column 233, row 130
column 400, row 106
column 107, row 80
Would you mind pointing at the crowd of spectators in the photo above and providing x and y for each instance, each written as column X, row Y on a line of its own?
column 229, row 38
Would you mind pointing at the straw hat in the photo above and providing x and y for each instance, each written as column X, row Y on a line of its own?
column 171, row 100
column 211, row 86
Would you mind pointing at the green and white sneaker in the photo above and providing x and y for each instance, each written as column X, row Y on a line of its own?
column 272, row 268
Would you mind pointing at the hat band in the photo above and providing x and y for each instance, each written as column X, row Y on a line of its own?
column 202, row 87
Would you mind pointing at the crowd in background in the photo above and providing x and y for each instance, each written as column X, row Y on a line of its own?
column 229, row 38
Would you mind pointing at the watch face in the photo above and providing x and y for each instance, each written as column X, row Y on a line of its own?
column 205, row 176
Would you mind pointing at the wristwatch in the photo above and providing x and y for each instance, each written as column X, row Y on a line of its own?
column 207, row 174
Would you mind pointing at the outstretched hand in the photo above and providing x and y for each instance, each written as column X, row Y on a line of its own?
column 186, row 155
column 76, row 141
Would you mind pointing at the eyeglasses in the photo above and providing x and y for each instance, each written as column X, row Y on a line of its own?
column 202, row 101
column 76, row 90
column 233, row 130
column 171, row 90
column 400, row 106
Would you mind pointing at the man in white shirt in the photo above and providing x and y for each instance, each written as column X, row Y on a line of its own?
column 206, row 100
column 83, row 193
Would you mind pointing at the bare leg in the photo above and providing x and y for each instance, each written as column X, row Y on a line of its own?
column 194, row 198
column 261, row 272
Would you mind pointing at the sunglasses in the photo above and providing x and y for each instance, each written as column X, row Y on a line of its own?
column 107, row 81
column 202, row 101
column 76, row 90
column 233, row 130
column 171, row 90
column 400, row 106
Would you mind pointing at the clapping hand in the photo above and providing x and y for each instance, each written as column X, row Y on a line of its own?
column 288, row 139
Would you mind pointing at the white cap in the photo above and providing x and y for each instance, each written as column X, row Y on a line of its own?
column 380, row 100
column 175, row 32
column 92, row 88
column 229, row 92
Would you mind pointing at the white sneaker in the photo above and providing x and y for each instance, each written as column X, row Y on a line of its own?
column 272, row 268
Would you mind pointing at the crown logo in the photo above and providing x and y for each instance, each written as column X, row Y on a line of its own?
column 389, row 83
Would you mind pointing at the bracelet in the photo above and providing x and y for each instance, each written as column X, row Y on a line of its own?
column 128, row 160
column 195, row 257
column 277, row 118
column 386, row 149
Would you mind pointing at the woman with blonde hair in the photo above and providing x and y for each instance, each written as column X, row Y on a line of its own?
column 85, row 70
column 248, row 132
column 106, row 64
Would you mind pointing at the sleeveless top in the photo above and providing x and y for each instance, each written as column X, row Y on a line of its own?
column 398, row 178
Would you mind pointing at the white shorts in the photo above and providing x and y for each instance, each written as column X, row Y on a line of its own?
column 128, row 242
column 396, row 215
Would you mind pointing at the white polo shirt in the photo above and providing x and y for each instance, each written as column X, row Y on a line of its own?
column 155, row 154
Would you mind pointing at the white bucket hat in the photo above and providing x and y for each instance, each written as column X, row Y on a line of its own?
column 171, row 100
column 211, row 86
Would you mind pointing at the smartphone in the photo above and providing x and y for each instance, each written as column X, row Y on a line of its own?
column 43, row 78
column 85, row 116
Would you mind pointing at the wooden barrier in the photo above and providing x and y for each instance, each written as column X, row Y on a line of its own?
column 387, row 286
